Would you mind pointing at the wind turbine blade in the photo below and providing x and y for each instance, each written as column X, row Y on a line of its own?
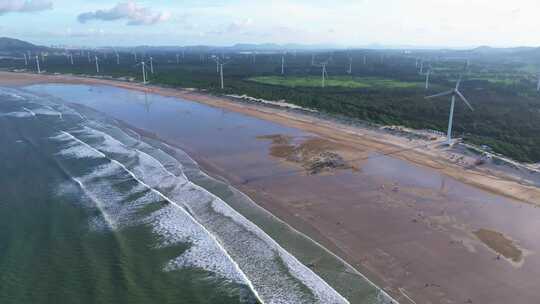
column 458, row 83
column 440, row 94
column 464, row 100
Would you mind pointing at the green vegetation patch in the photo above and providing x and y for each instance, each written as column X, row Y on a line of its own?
column 335, row 81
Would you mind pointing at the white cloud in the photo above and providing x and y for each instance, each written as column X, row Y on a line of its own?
column 130, row 11
column 24, row 6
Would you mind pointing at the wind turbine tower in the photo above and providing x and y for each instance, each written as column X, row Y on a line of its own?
column 282, row 64
column 25, row 59
column 221, row 75
column 117, row 59
column 349, row 71
column 143, row 72
column 37, row 65
column 453, row 93
column 151, row 65
column 97, row 64
column 427, row 78
column 324, row 73
column 71, row 58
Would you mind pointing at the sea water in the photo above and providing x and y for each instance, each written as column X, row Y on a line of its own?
column 92, row 212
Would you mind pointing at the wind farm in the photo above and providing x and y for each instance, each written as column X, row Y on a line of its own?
column 246, row 153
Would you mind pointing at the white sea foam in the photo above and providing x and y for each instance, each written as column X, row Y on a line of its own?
column 256, row 253
column 18, row 114
column 48, row 111
column 172, row 222
column 29, row 111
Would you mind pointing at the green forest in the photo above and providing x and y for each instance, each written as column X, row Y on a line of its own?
column 378, row 86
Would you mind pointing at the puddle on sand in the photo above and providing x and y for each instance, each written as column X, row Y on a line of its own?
column 499, row 243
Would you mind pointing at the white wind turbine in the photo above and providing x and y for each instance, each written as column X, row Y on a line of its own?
column 117, row 58
column 97, row 64
column 283, row 64
column 349, row 71
column 428, row 73
column 143, row 67
column 71, row 58
column 151, row 65
column 220, row 65
column 25, row 59
column 453, row 93
column 324, row 73
column 216, row 59
column 37, row 65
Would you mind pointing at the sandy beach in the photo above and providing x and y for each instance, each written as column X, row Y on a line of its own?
column 422, row 226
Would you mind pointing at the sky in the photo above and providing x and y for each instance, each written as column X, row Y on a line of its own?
column 346, row 23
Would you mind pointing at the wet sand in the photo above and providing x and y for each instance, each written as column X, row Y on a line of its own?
column 406, row 220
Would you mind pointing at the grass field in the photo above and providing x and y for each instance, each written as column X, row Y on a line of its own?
column 336, row 81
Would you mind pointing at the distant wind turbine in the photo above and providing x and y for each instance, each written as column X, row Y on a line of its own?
column 143, row 66
column 220, row 65
column 117, row 59
column 71, row 58
column 453, row 93
column 151, row 65
column 216, row 59
column 25, row 59
column 428, row 73
column 324, row 73
column 97, row 64
column 37, row 65
column 282, row 64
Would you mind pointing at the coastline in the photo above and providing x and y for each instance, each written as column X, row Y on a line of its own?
column 355, row 137
column 354, row 144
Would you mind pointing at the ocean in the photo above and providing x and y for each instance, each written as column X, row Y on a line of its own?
column 93, row 211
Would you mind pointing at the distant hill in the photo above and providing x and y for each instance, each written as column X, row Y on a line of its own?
column 240, row 47
column 10, row 45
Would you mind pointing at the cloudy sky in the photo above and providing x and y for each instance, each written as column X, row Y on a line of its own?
column 453, row 23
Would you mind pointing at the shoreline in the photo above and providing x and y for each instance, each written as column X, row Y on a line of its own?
column 354, row 224
column 351, row 136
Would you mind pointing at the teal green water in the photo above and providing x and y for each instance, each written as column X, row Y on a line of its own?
column 50, row 254
column 93, row 212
